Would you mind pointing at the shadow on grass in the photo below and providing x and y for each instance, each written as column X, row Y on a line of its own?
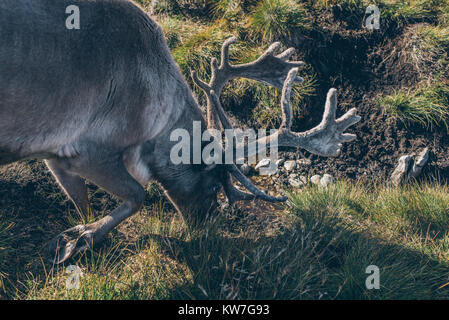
column 318, row 261
column 33, row 210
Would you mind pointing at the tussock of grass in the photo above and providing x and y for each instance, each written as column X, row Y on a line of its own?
column 428, row 106
column 414, row 10
column 444, row 15
column 277, row 19
column 196, row 51
column 390, row 228
column 329, row 3
column 175, row 7
column 230, row 10
column 318, row 248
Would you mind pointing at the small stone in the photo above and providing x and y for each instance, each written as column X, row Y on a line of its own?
column 399, row 174
column 270, row 171
column 303, row 179
column 315, row 179
column 295, row 182
column 304, row 162
column 266, row 167
column 420, row 162
column 279, row 162
column 263, row 163
column 290, row 165
column 326, row 180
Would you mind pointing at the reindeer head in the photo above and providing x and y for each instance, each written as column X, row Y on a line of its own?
column 275, row 70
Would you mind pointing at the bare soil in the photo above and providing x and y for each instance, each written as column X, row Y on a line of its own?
column 364, row 65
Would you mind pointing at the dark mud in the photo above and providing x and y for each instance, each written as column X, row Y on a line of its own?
column 364, row 65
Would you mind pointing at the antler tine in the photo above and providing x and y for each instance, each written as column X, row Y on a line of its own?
column 233, row 194
column 287, row 112
column 237, row 174
column 226, row 123
column 200, row 83
column 268, row 68
column 287, row 54
column 225, row 52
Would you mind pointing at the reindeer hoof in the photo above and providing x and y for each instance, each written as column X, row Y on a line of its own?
column 76, row 239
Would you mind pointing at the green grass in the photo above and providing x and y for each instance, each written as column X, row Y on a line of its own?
column 195, row 42
column 444, row 15
column 193, row 46
column 428, row 106
column 267, row 112
column 413, row 10
column 277, row 19
column 197, row 50
column 317, row 248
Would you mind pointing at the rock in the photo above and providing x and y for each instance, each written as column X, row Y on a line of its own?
column 303, row 179
column 279, row 162
column 315, row 179
column 263, row 163
column 399, row 174
column 295, row 182
column 420, row 162
column 409, row 168
column 266, row 167
column 326, row 180
column 293, row 175
column 304, row 162
column 270, row 171
column 290, row 165
column 246, row 169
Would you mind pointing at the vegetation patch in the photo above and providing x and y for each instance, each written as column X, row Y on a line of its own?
column 431, row 51
column 425, row 105
column 318, row 248
column 277, row 19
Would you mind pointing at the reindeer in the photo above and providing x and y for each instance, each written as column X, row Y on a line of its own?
column 99, row 104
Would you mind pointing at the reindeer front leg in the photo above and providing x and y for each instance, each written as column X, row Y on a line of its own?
column 106, row 170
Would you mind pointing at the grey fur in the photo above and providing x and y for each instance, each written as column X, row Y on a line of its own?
column 97, row 103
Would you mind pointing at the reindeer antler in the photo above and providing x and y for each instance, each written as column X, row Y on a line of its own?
column 267, row 68
column 325, row 139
